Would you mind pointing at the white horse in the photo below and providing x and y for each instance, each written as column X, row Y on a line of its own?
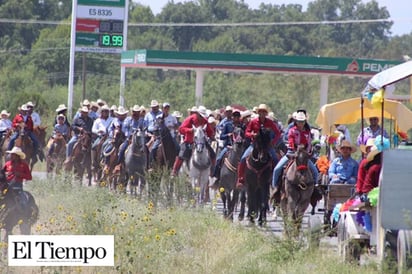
column 200, row 166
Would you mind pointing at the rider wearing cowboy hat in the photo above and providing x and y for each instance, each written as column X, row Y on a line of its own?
column 16, row 169
column 344, row 169
column 25, row 120
column 297, row 135
column 199, row 118
column 251, row 131
column 82, row 124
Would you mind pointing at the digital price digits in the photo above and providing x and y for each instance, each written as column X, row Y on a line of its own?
column 111, row 40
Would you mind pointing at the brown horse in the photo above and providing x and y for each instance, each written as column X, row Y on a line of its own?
column 296, row 191
column 56, row 158
column 114, row 178
column 81, row 158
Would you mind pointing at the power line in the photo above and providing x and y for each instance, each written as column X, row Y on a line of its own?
column 223, row 24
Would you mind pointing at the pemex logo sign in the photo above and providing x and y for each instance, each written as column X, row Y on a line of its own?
column 61, row 250
column 369, row 66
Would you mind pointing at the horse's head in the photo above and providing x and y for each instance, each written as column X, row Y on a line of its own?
column 238, row 135
column 138, row 140
column 261, row 145
column 85, row 140
column 199, row 138
column 302, row 158
column 40, row 132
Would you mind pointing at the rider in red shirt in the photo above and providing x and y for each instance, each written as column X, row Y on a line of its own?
column 24, row 119
column 252, row 130
column 199, row 118
column 16, row 169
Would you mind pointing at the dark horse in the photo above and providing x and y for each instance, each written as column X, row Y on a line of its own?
column 296, row 191
column 166, row 153
column 228, row 175
column 81, row 157
column 257, row 177
column 16, row 208
column 135, row 162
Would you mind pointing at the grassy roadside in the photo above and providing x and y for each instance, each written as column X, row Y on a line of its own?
column 181, row 239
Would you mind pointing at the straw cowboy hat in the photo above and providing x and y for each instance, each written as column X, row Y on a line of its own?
column 142, row 108
column 94, row 104
column 121, row 111
column 263, row 107
column 154, row 103
column 136, row 108
column 228, row 108
column 374, row 151
column 17, row 151
column 30, row 104
column 202, row 111
column 85, row 103
column 369, row 143
column 84, row 109
column 104, row 107
column 193, row 109
column 4, row 112
column 100, row 102
column 346, row 143
column 61, row 107
column 113, row 107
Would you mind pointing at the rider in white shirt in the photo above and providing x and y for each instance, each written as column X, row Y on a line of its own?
column 101, row 124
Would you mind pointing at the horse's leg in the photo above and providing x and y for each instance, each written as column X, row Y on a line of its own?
column 224, row 199
column 242, row 205
column 25, row 228
column 5, row 240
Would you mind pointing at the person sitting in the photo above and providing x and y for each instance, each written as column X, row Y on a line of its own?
column 372, row 131
column 16, row 171
column 5, row 125
column 365, row 149
column 59, row 129
column 82, row 124
column 251, row 131
column 297, row 135
column 22, row 119
column 373, row 165
column 197, row 119
column 61, row 109
column 344, row 169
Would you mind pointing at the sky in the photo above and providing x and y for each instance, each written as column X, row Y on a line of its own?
column 401, row 14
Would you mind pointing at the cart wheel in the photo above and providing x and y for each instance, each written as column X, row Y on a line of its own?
column 314, row 231
column 404, row 250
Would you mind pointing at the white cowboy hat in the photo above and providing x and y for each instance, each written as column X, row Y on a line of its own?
column 84, row 109
column 94, row 104
column 228, row 108
column 85, row 103
column 246, row 113
column 4, row 112
column 100, row 102
column 154, row 103
column 121, row 111
column 193, row 109
column 113, row 107
column 136, row 108
column 177, row 114
column 30, row 104
column 202, row 111
column 263, row 107
column 142, row 108
column 104, row 107
column 17, row 151
column 300, row 116
column 61, row 107
column 374, row 151
column 24, row 107
column 166, row 104
column 346, row 143
column 369, row 143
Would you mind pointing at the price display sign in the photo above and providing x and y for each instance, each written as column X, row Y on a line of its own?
column 100, row 25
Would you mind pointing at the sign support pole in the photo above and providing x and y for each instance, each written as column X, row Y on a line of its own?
column 71, row 62
column 122, row 68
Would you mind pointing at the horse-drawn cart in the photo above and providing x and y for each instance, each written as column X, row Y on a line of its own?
column 390, row 229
